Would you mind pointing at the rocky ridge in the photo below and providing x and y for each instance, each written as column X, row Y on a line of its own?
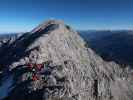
column 72, row 71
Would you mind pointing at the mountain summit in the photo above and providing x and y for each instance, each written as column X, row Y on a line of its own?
column 52, row 62
column 47, row 24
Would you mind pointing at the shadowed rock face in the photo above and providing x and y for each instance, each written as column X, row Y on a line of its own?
column 73, row 71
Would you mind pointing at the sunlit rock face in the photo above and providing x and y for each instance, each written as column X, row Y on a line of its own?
column 70, row 70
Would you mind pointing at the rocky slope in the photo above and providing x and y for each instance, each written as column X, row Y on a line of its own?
column 70, row 70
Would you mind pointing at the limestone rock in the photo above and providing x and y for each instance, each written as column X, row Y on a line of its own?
column 75, row 73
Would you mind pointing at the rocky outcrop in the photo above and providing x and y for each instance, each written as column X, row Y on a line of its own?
column 70, row 70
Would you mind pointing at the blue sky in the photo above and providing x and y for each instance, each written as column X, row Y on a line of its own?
column 24, row 15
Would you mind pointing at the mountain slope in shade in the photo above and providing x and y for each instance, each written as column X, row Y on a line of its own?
column 112, row 45
column 71, row 71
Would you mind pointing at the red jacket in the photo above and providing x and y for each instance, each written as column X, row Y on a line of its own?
column 34, row 77
column 39, row 66
column 30, row 65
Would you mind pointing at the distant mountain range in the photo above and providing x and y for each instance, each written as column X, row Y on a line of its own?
column 7, row 36
column 111, row 45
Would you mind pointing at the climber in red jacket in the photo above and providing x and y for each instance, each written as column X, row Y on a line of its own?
column 35, row 77
column 30, row 65
column 39, row 66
